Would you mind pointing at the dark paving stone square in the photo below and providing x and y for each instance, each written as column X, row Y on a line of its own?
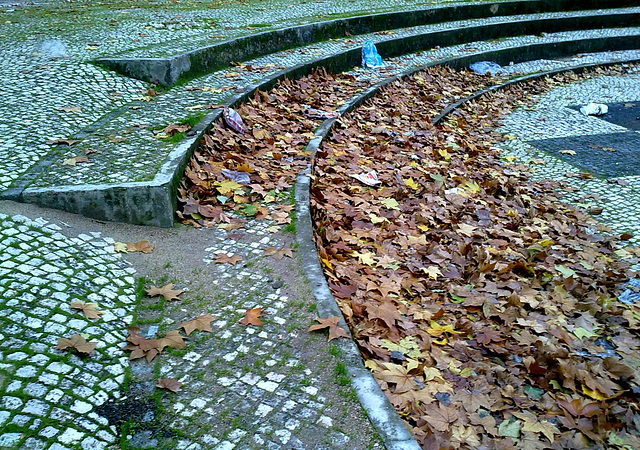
column 603, row 155
column 626, row 114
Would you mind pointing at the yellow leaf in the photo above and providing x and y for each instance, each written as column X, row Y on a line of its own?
column 365, row 258
column 471, row 186
column 445, row 155
column 583, row 332
column 432, row 271
column 431, row 373
column 377, row 219
column 390, row 203
column 371, row 365
column 227, row 186
column 411, row 183
column 423, row 228
column 509, row 158
column 437, row 330
column 412, row 364
column 120, row 247
column 597, row 395
column 326, row 263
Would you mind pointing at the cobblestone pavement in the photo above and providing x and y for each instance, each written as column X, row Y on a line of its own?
column 590, row 144
column 275, row 386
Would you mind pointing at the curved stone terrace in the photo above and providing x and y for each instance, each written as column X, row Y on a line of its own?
column 243, row 387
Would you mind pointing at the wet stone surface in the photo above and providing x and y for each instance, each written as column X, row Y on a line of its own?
column 625, row 114
column 603, row 155
column 50, row 395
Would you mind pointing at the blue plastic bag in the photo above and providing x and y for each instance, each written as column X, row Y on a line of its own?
column 484, row 67
column 370, row 56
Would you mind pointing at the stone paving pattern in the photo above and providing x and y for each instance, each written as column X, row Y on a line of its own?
column 554, row 118
column 53, row 399
column 128, row 150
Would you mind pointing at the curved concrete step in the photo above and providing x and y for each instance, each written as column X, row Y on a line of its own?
column 153, row 202
column 197, row 62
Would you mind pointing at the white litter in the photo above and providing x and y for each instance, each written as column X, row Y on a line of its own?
column 594, row 109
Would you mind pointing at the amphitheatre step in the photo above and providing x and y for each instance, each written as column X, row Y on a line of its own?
column 183, row 66
column 135, row 176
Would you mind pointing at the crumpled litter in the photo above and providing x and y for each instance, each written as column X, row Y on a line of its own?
column 368, row 178
column 238, row 177
column 233, row 119
column 370, row 56
column 319, row 114
column 484, row 67
column 594, row 109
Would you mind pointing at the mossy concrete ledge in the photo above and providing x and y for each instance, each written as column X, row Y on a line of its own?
column 171, row 70
column 142, row 203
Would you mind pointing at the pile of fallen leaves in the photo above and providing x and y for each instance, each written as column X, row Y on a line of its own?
column 485, row 307
column 272, row 150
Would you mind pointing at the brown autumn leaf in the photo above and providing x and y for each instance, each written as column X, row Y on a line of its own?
column 62, row 141
column 332, row 324
column 170, row 384
column 90, row 310
column 140, row 246
column 167, row 291
column 172, row 129
column 398, row 375
column 171, row 339
column 278, row 253
column 252, row 317
column 440, row 417
column 75, row 160
column 200, row 323
column 76, row 343
column 223, row 258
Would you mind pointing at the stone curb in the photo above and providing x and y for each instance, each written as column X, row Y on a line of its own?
column 380, row 411
column 153, row 203
column 189, row 65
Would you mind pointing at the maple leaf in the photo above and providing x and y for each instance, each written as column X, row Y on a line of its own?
column 200, row 323
column 75, row 160
column 141, row 246
column 172, row 339
column 278, row 253
column 170, row 384
column 77, row 343
column 227, row 186
column 166, row 291
column 252, row 317
column 365, row 258
column 440, row 417
column 170, row 130
column 399, row 376
column 332, row 324
column 90, row 310
column 62, row 141
column 390, row 203
column 432, row 271
column 120, row 247
column 223, row 258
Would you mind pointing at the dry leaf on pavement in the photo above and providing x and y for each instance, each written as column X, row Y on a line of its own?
column 170, row 384
column 252, row 317
column 200, row 323
column 166, row 291
column 332, row 324
column 90, row 310
column 223, row 258
column 77, row 343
